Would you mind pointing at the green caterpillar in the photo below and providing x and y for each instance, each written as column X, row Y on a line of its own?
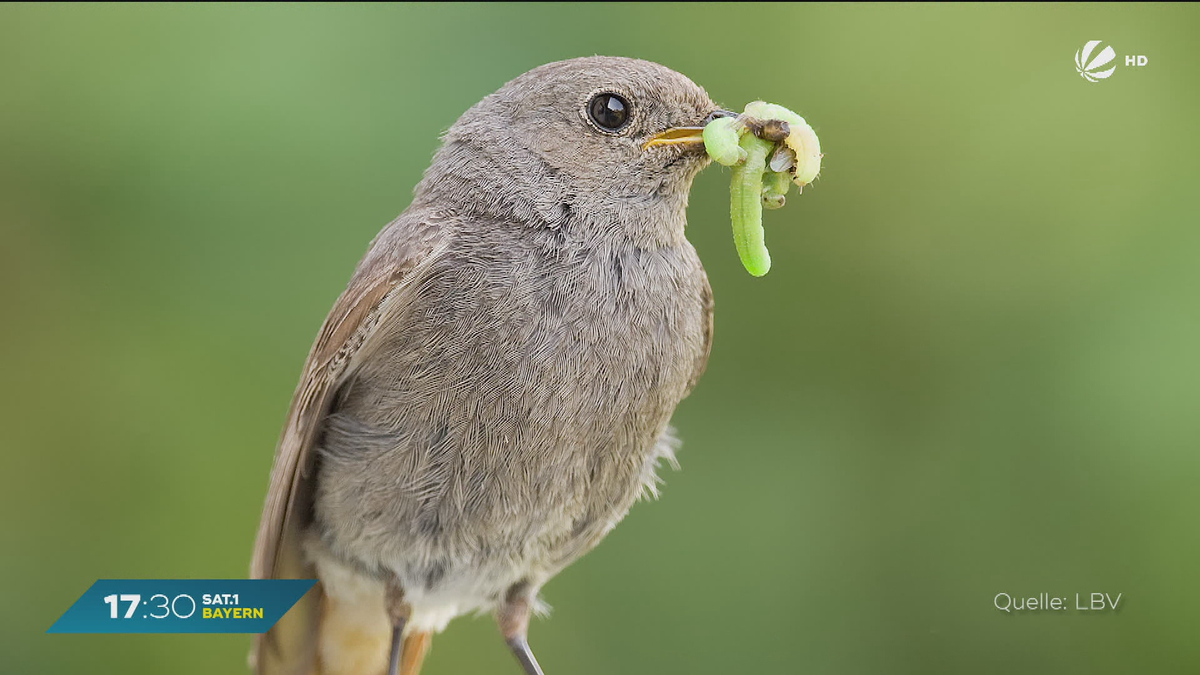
column 768, row 147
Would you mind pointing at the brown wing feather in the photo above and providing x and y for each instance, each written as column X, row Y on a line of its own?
column 343, row 333
column 387, row 266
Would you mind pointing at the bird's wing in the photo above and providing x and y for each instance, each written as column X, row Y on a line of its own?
column 387, row 268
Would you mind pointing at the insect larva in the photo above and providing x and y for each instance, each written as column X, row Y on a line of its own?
column 721, row 141
column 768, row 147
column 746, row 204
column 802, row 139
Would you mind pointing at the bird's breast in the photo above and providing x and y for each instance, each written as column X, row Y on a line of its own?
column 513, row 404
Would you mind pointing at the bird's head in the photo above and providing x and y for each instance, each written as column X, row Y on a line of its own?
column 595, row 143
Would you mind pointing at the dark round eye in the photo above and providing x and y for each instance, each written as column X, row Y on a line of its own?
column 609, row 111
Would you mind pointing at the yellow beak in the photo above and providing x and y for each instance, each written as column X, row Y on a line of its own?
column 676, row 136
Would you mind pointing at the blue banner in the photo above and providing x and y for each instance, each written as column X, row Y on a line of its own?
column 182, row 606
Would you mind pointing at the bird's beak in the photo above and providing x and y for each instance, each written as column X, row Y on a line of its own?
column 685, row 135
column 676, row 136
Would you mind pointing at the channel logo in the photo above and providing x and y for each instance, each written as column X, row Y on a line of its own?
column 1089, row 67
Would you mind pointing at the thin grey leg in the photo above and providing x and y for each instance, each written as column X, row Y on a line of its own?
column 513, row 619
column 397, row 643
column 398, row 612
column 520, row 649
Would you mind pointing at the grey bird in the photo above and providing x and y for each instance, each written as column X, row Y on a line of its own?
column 492, row 391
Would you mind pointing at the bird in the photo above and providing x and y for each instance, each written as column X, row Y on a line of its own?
column 493, row 389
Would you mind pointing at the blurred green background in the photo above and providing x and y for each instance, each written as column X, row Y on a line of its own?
column 973, row 369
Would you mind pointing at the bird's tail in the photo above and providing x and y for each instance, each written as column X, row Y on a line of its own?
column 415, row 647
column 337, row 639
column 290, row 647
column 340, row 627
column 353, row 638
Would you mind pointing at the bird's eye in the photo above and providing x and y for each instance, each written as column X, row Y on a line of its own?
column 609, row 111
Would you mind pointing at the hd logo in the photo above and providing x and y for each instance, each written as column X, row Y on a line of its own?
column 1096, row 68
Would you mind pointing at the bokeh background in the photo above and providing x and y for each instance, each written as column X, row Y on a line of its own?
column 973, row 369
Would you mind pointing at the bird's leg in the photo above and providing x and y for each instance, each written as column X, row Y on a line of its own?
column 513, row 619
column 399, row 612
